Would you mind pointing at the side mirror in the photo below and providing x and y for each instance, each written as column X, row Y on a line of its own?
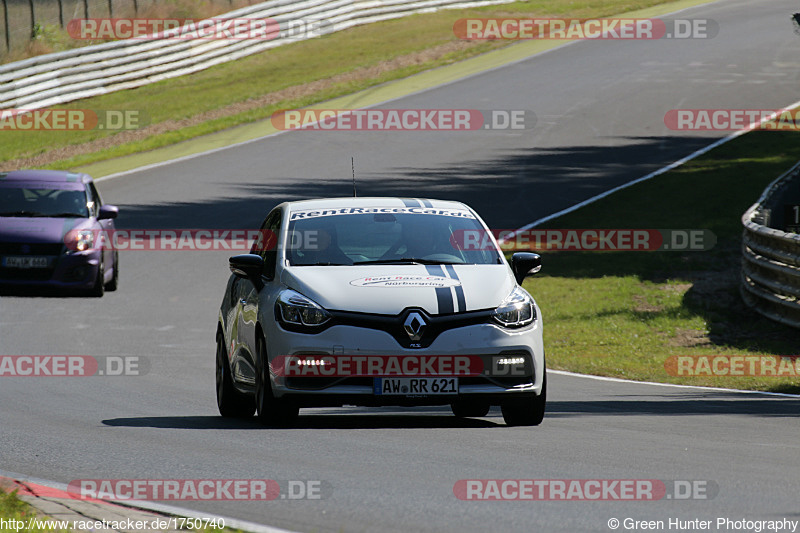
column 247, row 266
column 525, row 263
column 107, row 212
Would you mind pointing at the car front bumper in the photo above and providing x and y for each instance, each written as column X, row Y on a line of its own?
column 74, row 270
column 486, row 341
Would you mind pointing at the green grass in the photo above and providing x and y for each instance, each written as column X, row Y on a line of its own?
column 290, row 66
column 623, row 314
column 608, row 313
column 12, row 508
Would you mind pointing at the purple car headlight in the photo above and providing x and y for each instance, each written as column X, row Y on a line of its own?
column 80, row 240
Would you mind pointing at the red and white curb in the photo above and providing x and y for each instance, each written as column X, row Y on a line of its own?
column 31, row 489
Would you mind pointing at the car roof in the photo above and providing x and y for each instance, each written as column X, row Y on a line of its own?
column 373, row 201
column 46, row 176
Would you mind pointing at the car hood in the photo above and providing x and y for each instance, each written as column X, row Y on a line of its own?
column 39, row 229
column 389, row 289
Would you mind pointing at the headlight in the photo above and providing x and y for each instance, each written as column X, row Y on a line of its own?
column 294, row 309
column 516, row 311
column 82, row 240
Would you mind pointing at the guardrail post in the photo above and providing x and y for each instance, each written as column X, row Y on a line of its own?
column 5, row 24
column 770, row 279
column 33, row 19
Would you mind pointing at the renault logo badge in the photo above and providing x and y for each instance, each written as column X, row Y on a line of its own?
column 414, row 325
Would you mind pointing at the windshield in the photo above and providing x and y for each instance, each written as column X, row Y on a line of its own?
column 390, row 238
column 23, row 201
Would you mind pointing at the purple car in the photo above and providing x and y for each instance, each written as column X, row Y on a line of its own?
column 51, row 223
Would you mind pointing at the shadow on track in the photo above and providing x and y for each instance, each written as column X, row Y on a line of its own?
column 306, row 422
column 509, row 190
column 321, row 419
column 678, row 405
column 629, row 405
column 183, row 422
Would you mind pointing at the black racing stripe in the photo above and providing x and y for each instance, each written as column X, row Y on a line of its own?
column 462, row 301
column 408, row 202
column 426, row 203
column 434, row 270
column 443, row 298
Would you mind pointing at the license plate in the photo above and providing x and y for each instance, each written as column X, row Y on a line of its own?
column 415, row 386
column 28, row 261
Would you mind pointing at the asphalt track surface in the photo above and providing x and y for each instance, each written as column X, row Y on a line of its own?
column 600, row 109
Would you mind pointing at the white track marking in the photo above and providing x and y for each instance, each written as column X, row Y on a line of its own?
column 160, row 508
column 673, row 385
column 653, row 174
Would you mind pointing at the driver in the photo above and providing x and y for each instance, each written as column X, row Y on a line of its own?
column 322, row 247
column 419, row 239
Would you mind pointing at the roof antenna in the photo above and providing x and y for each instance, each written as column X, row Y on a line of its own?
column 353, row 166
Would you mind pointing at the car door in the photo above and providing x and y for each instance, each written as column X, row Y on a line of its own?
column 94, row 201
column 250, row 295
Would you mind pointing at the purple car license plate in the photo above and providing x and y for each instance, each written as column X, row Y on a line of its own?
column 28, row 261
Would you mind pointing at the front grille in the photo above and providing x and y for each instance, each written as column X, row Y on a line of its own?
column 26, row 274
column 29, row 249
column 314, row 383
column 319, row 383
column 33, row 248
column 506, row 377
column 501, row 382
column 434, row 325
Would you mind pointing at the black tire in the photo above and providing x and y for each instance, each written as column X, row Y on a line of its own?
column 231, row 402
column 114, row 283
column 527, row 412
column 469, row 409
column 99, row 286
column 270, row 411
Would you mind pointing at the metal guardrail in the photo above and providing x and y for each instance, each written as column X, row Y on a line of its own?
column 770, row 281
column 66, row 76
column 22, row 19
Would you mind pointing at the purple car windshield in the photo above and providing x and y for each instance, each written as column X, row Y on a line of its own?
column 41, row 199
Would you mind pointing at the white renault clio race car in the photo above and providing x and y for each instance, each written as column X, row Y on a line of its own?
column 379, row 301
